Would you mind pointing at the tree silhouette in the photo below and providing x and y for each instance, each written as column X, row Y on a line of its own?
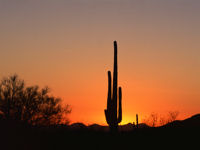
column 30, row 104
column 152, row 120
column 159, row 120
column 172, row 116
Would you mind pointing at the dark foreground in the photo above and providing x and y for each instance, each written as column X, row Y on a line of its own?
column 47, row 138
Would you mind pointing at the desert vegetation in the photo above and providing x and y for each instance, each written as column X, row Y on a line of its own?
column 154, row 119
column 113, row 113
column 30, row 105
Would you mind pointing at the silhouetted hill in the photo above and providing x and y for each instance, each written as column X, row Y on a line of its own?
column 96, row 127
column 131, row 127
column 101, row 128
column 80, row 136
column 77, row 126
column 126, row 127
column 192, row 122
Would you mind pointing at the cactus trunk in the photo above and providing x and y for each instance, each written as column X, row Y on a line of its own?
column 113, row 112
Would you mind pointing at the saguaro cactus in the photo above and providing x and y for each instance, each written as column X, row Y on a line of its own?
column 113, row 113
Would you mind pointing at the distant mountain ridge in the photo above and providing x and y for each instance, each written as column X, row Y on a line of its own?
column 97, row 127
column 191, row 122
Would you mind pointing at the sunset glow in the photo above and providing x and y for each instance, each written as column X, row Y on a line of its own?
column 68, row 46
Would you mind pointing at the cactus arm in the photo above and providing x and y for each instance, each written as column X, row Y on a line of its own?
column 109, row 91
column 109, row 101
column 119, row 119
column 107, row 116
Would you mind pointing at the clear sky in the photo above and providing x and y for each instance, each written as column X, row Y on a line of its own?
column 68, row 45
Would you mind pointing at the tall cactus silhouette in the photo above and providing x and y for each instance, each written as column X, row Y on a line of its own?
column 113, row 113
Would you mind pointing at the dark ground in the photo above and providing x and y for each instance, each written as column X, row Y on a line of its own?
column 48, row 138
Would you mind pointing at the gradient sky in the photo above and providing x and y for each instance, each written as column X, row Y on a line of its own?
column 68, row 45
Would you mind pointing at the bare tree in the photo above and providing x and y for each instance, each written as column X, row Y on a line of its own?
column 172, row 116
column 162, row 120
column 152, row 120
column 10, row 102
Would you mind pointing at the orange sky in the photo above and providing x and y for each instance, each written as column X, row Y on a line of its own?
column 69, row 47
